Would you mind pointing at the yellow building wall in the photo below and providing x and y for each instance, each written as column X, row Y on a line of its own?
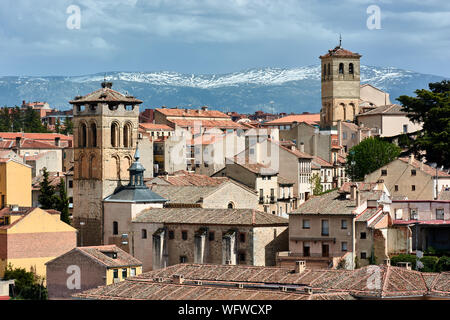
column 15, row 184
column 110, row 274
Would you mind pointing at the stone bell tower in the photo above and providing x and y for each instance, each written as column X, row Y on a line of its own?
column 105, row 135
column 340, row 86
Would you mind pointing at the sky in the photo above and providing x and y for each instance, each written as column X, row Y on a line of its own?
column 48, row 37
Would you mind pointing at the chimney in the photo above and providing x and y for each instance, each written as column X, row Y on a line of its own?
column 406, row 265
column 18, row 139
column 353, row 189
column 205, row 108
column 302, row 147
column 308, row 290
column 411, row 158
column 300, row 266
column 421, row 165
column 358, row 199
column 387, row 262
column 178, row 279
column 57, row 140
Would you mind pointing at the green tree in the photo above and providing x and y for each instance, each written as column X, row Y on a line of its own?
column 63, row 202
column 443, row 264
column 368, row 156
column 32, row 121
column 5, row 120
column 68, row 126
column 432, row 109
column 16, row 119
column 315, row 182
column 27, row 284
column 47, row 198
column 58, row 126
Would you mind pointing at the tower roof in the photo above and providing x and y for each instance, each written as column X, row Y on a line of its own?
column 340, row 52
column 105, row 94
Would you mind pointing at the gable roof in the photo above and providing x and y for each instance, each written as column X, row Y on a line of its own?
column 425, row 168
column 390, row 109
column 242, row 217
column 310, row 118
column 105, row 94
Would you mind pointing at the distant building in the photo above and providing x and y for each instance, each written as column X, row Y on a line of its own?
column 95, row 266
column 29, row 237
column 388, row 121
column 286, row 123
column 410, row 178
column 371, row 97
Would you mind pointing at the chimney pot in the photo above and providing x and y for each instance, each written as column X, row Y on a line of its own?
column 406, row 265
column 387, row 262
column 178, row 278
column 411, row 158
column 302, row 147
column 300, row 266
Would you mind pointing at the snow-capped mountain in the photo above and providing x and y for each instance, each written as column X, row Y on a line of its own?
column 289, row 90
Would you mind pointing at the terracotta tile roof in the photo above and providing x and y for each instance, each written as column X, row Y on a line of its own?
column 22, row 212
column 133, row 289
column 424, row 222
column 184, row 178
column 283, row 180
column 257, row 168
column 368, row 214
column 173, row 112
column 49, row 137
column 362, row 186
column 312, row 118
column 105, row 95
column 27, row 143
column 390, row 109
column 53, row 178
column 321, row 162
column 221, row 124
column 393, row 282
column 155, row 127
column 243, row 217
column 183, row 194
column 103, row 255
column 295, row 152
column 426, row 168
column 340, row 52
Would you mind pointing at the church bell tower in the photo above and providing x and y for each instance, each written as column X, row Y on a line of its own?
column 105, row 135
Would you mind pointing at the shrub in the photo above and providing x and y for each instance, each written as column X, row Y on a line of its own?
column 404, row 258
column 443, row 264
column 429, row 263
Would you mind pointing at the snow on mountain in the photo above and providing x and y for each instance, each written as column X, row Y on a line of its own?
column 292, row 90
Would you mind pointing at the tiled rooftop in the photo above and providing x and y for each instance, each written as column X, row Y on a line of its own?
column 103, row 255
column 265, row 282
column 311, row 118
column 188, row 113
column 243, row 217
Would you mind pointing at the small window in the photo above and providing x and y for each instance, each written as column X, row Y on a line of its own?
column 439, row 214
column 183, row 259
column 116, row 274
column 413, row 172
column 230, row 205
column 242, row 257
column 70, row 184
column 363, row 255
column 242, row 237
column 396, row 187
column 144, row 233
column 350, row 68
column 343, row 224
column 413, row 187
column 343, row 246
column 211, row 236
column 384, row 172
column 124, row 273
column 171, row 235
column 184, row 235
column 306, row 224
column 363, row 235
column 405, row 128
column 133, row 272
column 413, row 214
column 325, row 228
column 115, row 228
column 341, row 68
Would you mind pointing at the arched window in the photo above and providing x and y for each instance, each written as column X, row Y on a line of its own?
column 114, row 134
column 83, row 136
column 341, row 68
column 324, row 70
column 127, row 136
column 93, row 135
column 230, row 205
column 144, row 233
column 350, row 68
column 329, row 69
column 115, row 228
column 81, row 166
column 114, row 167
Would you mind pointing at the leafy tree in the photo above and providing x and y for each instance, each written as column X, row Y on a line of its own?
column 443, row 264
column 27, row 285
column 58, row 126
column 315, row 182
column 432, row 108
column 5, row 120
column 429, row 263
column 47, row 198
column 368, row 156
column 68, row 126
column 63, row 202
column 32, row 121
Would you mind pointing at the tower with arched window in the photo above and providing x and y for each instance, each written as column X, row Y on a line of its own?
column 340, row 86
column 105, row 135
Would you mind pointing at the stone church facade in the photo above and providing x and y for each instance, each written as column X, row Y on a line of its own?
column 105, row 135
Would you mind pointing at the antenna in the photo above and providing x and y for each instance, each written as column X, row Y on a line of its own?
column 340, row 40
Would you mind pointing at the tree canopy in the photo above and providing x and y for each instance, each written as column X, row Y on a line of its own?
column 368, row 156
column 21, row 119
column 432, row 109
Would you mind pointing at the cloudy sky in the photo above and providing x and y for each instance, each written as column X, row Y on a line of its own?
column 40, row 37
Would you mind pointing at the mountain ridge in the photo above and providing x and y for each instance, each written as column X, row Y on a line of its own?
column 290, row 90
